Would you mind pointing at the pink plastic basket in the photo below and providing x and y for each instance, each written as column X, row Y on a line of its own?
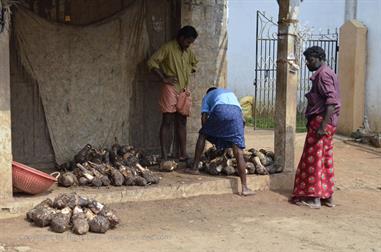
column 30, row 180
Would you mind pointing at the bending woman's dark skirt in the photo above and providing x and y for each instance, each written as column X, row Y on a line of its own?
column 225, row 127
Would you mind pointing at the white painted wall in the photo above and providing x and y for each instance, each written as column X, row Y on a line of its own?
column 369, row 13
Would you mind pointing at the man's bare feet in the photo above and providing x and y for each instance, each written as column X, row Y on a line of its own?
column 247, row 192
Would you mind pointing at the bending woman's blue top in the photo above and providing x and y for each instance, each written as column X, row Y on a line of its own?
column 216, row 97
column 224, row 126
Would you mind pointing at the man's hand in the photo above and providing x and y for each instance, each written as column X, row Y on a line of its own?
column 204, row 118
column 170, row 80
column 321, row 132
column 328, row 112
column 166, row 80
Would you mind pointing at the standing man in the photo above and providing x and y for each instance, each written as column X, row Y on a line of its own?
column 173, row 63
column 223, row 125
column 314, row 179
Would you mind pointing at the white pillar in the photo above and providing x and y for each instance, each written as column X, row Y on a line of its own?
column 350, row 10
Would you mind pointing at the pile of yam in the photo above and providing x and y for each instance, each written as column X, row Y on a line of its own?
column 120, row 165
column 366, row 136
column 73, row 212
column 223, row 162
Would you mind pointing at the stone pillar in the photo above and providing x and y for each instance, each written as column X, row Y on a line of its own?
column 209, row 17
column 5, row 119
column 352, row 68
column 286, row 86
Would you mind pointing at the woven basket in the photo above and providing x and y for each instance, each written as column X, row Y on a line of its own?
column 30, row 180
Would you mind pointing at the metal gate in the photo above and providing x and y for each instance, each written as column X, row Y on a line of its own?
column 265, row 69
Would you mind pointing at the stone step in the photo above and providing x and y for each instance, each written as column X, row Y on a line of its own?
column 173, row 185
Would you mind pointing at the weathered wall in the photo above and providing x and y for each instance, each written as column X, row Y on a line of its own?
column 368, row 12
column 5, row 120
column 162, row 24
column 30, row 137
column 31, row 141
column 85, row 12
column 209, row 17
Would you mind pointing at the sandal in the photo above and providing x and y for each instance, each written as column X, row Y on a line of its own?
column 327, row 203
column 310, row 205
column 295, row 200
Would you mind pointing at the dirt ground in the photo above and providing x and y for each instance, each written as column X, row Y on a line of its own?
column 265, row 222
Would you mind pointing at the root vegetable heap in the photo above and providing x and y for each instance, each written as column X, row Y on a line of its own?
column 217, row 162
column 73, row 212
column 122, row 165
